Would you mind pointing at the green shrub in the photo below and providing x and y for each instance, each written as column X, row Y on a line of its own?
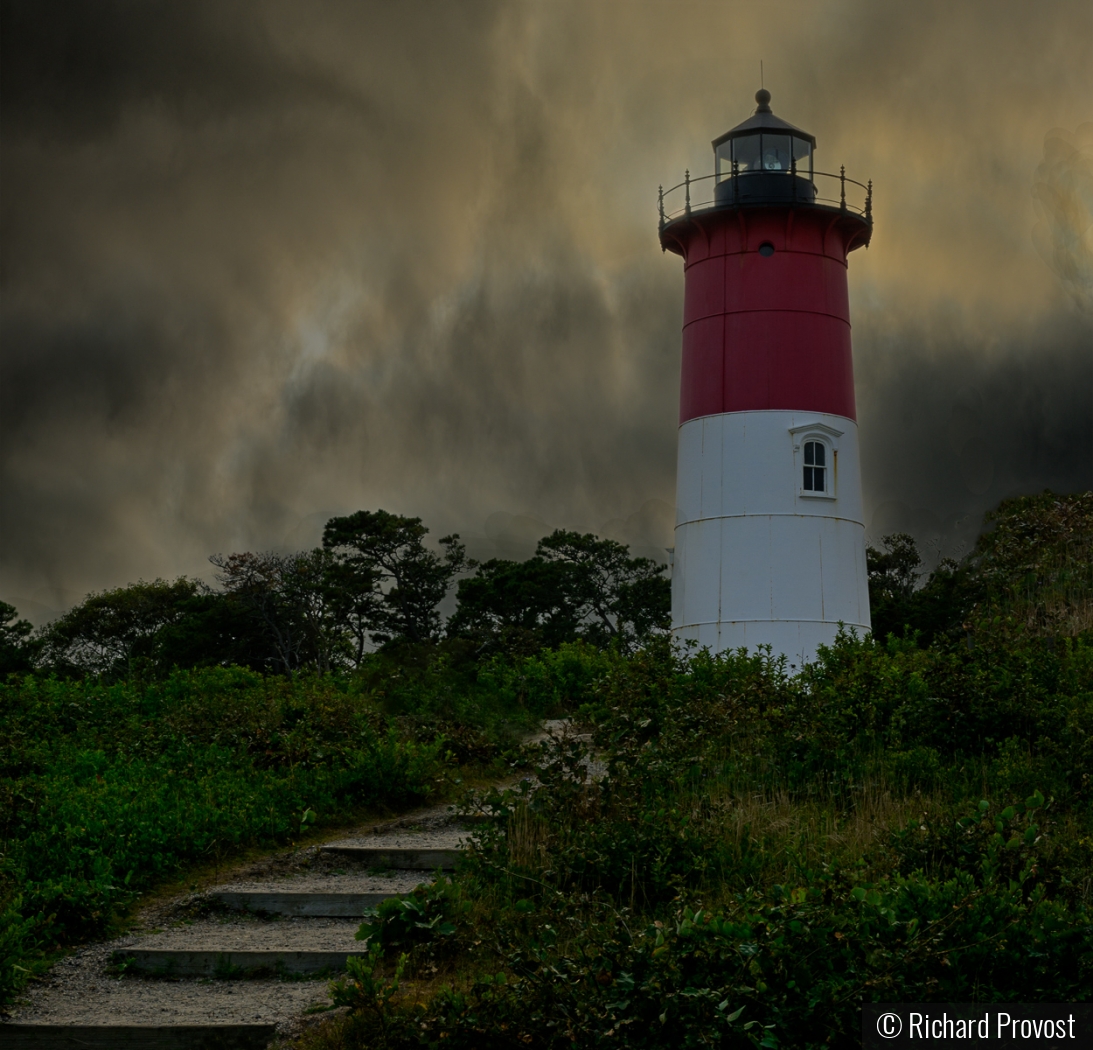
column 424, row 916
column 16, row 931
column 635, row 910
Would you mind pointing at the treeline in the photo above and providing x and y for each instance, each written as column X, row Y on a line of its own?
column 1030, row 573
column 372, row 584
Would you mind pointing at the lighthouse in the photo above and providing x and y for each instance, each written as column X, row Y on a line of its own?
column 770, row 537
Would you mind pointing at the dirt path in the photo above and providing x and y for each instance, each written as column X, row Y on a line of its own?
column 89, row 989
column 248, row 958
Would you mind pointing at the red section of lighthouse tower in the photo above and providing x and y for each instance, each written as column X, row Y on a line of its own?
column 766, row 329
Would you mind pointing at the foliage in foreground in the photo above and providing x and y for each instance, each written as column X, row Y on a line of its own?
column 766, row 853
column 910, row 815
column 129, row 783
column 108, row 789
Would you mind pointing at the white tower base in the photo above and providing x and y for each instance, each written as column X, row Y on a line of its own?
column 759, row 560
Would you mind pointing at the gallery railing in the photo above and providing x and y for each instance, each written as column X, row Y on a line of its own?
column 746, row 188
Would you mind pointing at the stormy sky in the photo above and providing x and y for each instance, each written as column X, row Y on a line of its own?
column 267, row 262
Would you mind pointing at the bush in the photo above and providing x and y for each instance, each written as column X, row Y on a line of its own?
column 788, row 966
column 767, row 853
column 426, row 916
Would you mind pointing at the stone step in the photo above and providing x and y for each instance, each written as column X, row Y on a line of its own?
column 336, row 905
column 183, row 962
column 395, row 857
column 136, row 1037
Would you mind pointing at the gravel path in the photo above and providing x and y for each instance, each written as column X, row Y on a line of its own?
column 82, row 989
column 440, row 838
column 79, row 990
column 248, row 933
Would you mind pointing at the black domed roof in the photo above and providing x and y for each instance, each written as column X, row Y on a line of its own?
column 764, row 120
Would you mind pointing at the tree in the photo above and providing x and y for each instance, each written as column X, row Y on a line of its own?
column 899, row 606
column 353, row 591
column 1035, row 562
column 296, row 600
column 944, row 606
column 575, row 586
column 893, row 572
column 17, row 646
column 215, row 630
column 408, row 581
column 107, row 632
column 616, row 598
column 517, row 606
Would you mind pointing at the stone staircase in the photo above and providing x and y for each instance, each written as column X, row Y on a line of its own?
column 239, row 964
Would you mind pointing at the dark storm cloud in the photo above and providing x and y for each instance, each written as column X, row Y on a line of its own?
column 267, row 262
column 74, row 69
column 950, row 425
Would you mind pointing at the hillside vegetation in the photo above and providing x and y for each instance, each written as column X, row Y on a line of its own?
column 909, row 818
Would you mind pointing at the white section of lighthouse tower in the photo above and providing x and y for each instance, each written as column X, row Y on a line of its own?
column 759, row 559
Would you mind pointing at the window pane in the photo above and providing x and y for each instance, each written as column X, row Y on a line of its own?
column 802, row 150
column 745, row 151
column 776, row 153
column 810, row 452
column 819, row 454
column 724, row 160
column 808, row 479
column 818, row 479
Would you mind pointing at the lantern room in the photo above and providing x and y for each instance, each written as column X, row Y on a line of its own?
column 764, row 160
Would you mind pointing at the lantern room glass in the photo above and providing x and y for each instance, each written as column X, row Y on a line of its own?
column 775, row 153
column 766, row 152
column 723, row 160
column 747, row 151
column 802, row 155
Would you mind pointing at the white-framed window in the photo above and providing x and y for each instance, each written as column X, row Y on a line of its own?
column 816, row 460
column 816, row 467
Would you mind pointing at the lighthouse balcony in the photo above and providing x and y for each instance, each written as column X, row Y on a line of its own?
column 758, row 188
column 764, row 187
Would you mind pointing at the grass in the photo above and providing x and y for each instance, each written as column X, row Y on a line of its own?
column 142, row 785
column 803, row 834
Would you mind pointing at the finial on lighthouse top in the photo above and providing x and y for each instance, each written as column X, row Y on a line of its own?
column 763, row 120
